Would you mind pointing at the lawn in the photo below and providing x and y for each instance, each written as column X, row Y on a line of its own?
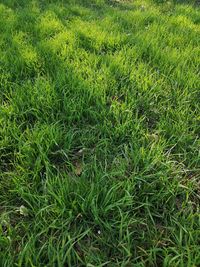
column 99, row 133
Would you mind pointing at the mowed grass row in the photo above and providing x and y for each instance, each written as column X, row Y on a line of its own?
column 99, row 133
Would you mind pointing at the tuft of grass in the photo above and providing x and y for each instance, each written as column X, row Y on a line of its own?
column 99, row 133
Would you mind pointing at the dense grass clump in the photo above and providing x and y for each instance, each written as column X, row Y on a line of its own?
column 99, row 133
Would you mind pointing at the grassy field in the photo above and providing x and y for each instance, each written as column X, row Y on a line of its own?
column 99, row 133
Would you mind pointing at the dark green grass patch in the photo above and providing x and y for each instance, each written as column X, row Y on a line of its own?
column 99, row 133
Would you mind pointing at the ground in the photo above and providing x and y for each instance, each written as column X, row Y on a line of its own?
column 99, row 133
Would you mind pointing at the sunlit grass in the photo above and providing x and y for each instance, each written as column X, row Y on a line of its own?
column 99, row 133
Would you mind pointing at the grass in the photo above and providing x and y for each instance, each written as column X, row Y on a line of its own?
column 99, row 133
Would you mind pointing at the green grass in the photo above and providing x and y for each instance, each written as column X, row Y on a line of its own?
column 99, row 133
